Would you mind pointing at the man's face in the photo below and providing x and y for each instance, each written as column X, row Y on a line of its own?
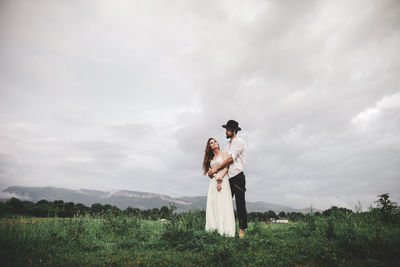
column 229, row 133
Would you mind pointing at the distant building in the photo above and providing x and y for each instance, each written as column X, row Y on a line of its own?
column 282, row 220
column 274, row 220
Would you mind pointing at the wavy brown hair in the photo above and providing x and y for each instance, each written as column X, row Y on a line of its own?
column 208, row 156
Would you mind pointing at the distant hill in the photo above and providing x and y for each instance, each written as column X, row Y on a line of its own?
column 124, row 198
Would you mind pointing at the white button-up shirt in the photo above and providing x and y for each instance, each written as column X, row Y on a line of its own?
column 237, row 150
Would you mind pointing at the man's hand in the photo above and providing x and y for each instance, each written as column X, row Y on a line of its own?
column 211, row 172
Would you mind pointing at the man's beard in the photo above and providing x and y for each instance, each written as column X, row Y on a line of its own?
column 228, row 136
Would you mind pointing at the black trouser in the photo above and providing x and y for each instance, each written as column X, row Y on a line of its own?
column 238, row 187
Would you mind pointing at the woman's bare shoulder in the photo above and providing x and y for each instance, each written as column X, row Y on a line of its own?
column 224, row 154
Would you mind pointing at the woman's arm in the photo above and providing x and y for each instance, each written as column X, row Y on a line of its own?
column 224, row 171
column 222, row 174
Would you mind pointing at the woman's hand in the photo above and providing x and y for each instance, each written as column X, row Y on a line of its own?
column 219, row 187
column 218, row 178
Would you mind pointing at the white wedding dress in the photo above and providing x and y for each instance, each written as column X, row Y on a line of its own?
column 219, row 210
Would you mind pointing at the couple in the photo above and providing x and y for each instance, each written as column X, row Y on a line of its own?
column 225, row 168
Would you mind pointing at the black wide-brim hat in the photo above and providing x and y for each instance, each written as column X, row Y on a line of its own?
column 232, row 125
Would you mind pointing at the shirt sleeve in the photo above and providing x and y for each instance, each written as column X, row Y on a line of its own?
column 237, row 149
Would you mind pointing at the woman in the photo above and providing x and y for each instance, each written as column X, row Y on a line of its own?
column 219, row 211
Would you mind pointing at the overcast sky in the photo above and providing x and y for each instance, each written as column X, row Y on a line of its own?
column 124, row 95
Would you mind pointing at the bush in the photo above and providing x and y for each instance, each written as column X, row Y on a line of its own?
column 340, row 238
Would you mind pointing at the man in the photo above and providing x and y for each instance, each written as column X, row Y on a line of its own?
column 236, row 149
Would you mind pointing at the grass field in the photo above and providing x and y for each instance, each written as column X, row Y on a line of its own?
column 108, row 240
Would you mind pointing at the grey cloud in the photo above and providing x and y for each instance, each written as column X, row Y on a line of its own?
column 125, row 95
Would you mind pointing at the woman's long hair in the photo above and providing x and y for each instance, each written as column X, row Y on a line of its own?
column 208, row 156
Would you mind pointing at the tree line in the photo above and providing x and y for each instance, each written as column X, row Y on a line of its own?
column 59, row 208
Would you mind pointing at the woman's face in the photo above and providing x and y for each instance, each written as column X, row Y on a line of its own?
column 213, row 144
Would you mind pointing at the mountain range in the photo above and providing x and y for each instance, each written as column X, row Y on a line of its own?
column 124, row 198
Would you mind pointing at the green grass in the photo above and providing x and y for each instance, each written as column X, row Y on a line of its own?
column 109, row 240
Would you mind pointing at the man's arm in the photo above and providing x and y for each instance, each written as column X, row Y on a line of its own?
column 228, row 161
column 235, row 152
